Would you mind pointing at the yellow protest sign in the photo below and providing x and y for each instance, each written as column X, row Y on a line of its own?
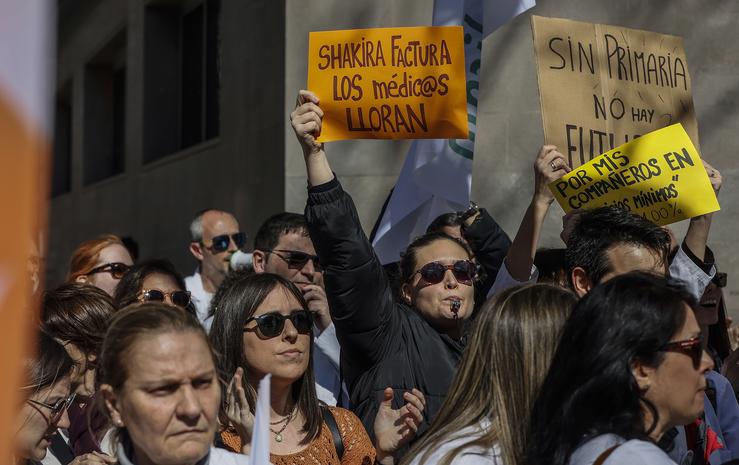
column 390, row 83
column 659, row 176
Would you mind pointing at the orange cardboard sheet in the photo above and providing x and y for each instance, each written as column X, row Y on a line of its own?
column 602, row 86
column 390, row 83
column 23, row 194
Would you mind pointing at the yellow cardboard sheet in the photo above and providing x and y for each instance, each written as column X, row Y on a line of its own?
column 390, row 83
column 659, row 176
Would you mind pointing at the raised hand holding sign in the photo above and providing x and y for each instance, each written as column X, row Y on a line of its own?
column 659, row 176
column 390, row 83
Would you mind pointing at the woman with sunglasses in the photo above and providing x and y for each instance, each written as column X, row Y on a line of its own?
column 484, row 418
column 154, row 280
column 77, row 315
column 416, row 342
column 158, row 380
column 46, row 396
column 629, row 367
column 262, row 326
column 101, row 262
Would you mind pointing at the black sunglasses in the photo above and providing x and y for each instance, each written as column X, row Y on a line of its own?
column 296, row 259
column 464, row 272
column 272, row 324
column 178, row 298
column 221, row 243
column 690, row 347
column 117, row 269
column 720, row 279
column 57, row 409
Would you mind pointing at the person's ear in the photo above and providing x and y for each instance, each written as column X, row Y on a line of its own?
column 196, row 249
column 82, row 279
column 111, row 403
column 406, row 292
column 581, row 284
column 258, row 260
column 642, row 374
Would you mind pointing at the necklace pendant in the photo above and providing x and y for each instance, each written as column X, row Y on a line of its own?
column 278, row 437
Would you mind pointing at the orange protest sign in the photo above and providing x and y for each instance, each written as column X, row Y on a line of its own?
column 390, row 83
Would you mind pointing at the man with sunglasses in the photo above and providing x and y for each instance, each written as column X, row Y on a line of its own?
column 282, row 246
column 215, row 236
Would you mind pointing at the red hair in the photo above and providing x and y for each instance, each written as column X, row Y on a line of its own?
column 87, row 254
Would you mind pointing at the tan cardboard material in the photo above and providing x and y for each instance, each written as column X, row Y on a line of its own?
column 601, row 86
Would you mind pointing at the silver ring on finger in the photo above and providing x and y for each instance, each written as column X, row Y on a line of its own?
column 553, row 165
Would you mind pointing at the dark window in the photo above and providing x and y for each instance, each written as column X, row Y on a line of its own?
column 61, row 181
column 181, row 76
column 105, row 112
column 119, row 119
column 212, row 70
column 192, row 77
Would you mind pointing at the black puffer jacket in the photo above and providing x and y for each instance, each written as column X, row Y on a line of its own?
column 383, row 342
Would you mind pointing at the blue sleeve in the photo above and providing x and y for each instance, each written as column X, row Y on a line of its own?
column 727, row 410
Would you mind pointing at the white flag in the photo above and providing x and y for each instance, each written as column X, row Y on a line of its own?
column 260, row 438
column 437, row 174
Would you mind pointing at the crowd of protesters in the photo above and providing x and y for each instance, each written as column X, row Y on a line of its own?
column 473, row 349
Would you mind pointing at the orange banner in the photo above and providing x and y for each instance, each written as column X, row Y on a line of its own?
column 390, row 83
column 22, row 201
column 26, row 74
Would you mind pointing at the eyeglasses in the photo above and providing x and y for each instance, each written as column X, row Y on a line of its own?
column 464, row 272
column 296, row 259
column 178, row 298
column 57, row 409
column 690, row 347
column 272, row 324
column 117, row 269
column 221, row 243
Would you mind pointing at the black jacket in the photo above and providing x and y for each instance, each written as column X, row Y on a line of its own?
column 383, row 342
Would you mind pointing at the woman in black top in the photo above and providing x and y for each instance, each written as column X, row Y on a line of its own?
column 413, row 343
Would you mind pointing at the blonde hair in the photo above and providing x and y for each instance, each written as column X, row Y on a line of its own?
column 506, row 359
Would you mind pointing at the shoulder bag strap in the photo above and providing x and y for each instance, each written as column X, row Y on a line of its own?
column 604, row 455
column 330, row 421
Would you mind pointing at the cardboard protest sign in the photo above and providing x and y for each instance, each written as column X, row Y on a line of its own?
column 659, row 176
column 390, row 83
column 601, row 86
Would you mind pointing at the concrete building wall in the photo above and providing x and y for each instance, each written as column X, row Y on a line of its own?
column 255, row 167
column 240, row 171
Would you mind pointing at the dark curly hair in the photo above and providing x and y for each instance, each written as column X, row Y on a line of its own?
column 77, row 313
column 600, row 229
column 131, row 284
